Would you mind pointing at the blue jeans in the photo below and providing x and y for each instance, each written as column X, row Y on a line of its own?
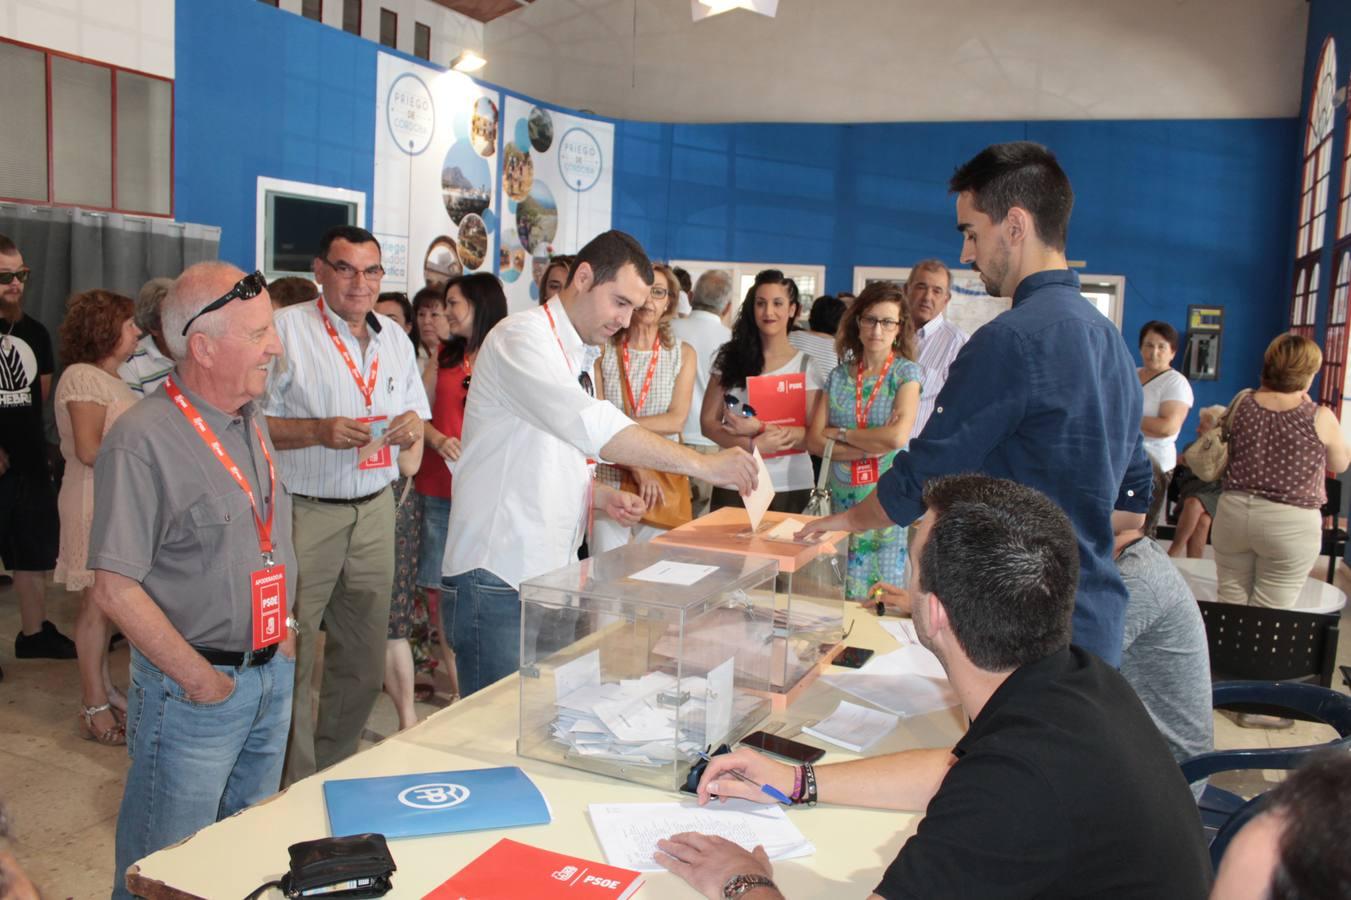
column 196, row 763
column 482, row 615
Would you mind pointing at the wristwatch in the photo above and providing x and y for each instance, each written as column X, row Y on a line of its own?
column 740, row 884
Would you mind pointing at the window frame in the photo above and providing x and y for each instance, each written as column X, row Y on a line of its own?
column 395, row 17
column 113, row 71
column 317, row 18
column 361, row 14
column 420, row 29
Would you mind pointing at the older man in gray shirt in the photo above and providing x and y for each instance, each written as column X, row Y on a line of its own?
column 191, row 548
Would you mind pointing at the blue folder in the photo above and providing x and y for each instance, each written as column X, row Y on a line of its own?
column 434, row 802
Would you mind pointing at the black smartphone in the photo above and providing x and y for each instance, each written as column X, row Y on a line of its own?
column 780, row 746
column 853, row 657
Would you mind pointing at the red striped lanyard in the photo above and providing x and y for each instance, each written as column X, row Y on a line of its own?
column 368, row 387
column 209, row 438
column 647, row 379
column 861, row 411
column 548, row 312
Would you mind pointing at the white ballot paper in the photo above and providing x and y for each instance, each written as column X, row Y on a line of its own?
column 758, row 500
column 903, row 630
column 667, row 572
column 853, row 727
column 628, row 832
column 909, row 682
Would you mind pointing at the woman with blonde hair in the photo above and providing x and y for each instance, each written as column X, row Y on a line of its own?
column 868, row 407
column 649, row 375
column 1197, row 499
column 1268, row 528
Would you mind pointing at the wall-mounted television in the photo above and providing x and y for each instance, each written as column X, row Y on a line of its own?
column 293, row 216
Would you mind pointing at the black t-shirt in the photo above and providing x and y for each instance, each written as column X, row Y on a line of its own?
column 1062, row 787
column 25, row 356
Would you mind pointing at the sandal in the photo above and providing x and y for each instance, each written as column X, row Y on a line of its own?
column 118, row 701
column 112, row 736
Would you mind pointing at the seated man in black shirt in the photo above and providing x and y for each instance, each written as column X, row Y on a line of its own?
column 1061, row 787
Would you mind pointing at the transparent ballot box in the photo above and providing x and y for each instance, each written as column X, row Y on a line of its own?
column 635, row 660
column 809, row 591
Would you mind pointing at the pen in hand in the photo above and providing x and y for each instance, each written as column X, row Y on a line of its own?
column 768, row 789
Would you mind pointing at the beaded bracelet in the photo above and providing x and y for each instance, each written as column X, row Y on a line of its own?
column 796, row 796
column 809, row 783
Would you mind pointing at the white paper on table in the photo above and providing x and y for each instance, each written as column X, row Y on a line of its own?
column 583, row 671
column 910, row 659
column 853, row 727
column 909, row 682
column 903, row 630
column 758, row 500
column 667, row 572
column 718, row 701
column 628, row 832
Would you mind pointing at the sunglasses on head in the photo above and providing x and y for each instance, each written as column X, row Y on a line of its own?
column 21, row 275
column 584, row 380
column 246, row 288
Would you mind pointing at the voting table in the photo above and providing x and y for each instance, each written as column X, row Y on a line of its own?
column 853, row 846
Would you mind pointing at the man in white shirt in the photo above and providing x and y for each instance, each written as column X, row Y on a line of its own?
column 928, row 292
column 345, row 407
column 151, row 363
column 704, row 330
column 533, row 429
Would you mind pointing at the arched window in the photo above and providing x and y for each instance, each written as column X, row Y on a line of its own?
column 1332, row 388
column 1313, row 198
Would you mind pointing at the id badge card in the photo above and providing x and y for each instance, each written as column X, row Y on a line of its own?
column 268, row 590
column 375, row 455
column 863, row 471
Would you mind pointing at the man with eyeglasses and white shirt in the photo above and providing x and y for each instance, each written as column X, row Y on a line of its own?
column 345, row 407
column 533, row 431
column 928, row 292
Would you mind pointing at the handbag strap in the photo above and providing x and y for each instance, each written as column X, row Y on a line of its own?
column 1229, row 413
column 825, row 464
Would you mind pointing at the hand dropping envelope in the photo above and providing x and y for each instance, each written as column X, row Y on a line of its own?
column 758, row 500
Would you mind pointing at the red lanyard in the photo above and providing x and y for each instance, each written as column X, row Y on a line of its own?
column 647, row 379
column 861, row 411
column 209, row 438
column 368, row 388
column 548, row 312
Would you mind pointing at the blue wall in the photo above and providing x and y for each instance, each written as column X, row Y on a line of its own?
column 1190, row 212
column 1187, row 211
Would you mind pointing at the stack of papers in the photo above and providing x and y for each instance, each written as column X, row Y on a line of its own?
column 908, row 682
column 647, row 721
column 903, row 630
column 628, row 832
column 853, row 727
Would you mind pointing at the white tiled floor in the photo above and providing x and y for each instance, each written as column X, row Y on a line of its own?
column 63, row 792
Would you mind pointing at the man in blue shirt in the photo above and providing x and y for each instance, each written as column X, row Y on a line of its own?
column 1046, row 394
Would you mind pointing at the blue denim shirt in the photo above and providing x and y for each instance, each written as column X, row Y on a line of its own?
column 1045, row 395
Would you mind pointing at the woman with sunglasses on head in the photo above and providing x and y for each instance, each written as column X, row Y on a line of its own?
column 98, row 335
column 473, row 305
column 649, row 374
column 869, row 408
column 759, row 346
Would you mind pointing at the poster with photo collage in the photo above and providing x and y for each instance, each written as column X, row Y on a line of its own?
column 557, row 185
column 436, row 171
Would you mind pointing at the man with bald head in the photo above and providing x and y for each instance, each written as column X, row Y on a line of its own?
column 192, row 554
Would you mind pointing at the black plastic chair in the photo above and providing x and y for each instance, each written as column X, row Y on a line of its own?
column 1223, row 813
column 1258, row 643
column 1334, row 538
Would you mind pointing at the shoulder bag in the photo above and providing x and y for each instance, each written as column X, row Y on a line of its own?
column 675, row 508
column 1209, row 456
column 818, row 504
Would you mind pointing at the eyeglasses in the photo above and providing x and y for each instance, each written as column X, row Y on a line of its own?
column 871, row 322
column 584, row 380
column 736, row 407
column 246, row 288
column 660, row 293
column 21, row 275
column 349, row 273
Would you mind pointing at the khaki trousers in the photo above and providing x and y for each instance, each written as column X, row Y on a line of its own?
column 346, row 561
column 1263, row 550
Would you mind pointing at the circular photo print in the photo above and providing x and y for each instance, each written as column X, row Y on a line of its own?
column 518, row 172
column 510, row 262
column 473, row 241
column 483, row 127
column 466, row 184
column 442, row 261
column 537, row 218
column 541, row 129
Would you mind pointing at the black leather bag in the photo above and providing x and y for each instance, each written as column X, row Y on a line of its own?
column 360, row 861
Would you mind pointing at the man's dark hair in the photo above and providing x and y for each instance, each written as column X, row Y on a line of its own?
column 1162, row 329
column 291, row 290
column 1022, row 174
column 1314, row 803
column 1003, row 560
column 609, row 252
column 7, row 246
column 686, row 284
column 352, row 234
column 826, row 314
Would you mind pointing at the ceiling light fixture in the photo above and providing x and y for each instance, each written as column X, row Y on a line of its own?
column 468, row 61
column 702, row 9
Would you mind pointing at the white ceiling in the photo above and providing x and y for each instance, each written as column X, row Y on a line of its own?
column 907, row 60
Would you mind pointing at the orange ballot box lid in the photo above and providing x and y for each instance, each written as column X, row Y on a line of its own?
column 728, row 530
